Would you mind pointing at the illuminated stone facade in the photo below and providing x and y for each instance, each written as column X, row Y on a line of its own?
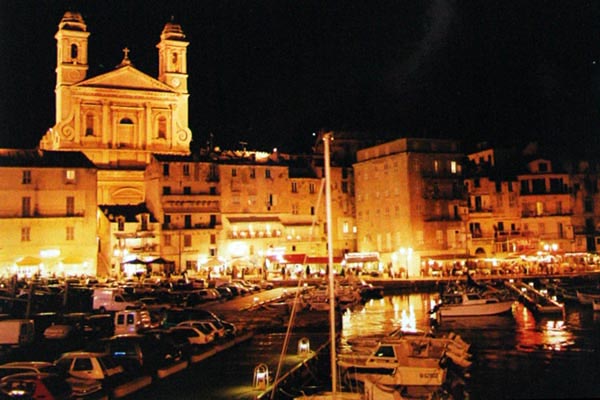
column 119, row 118
column 243, row 206
column 47, row 213
column 410, row 201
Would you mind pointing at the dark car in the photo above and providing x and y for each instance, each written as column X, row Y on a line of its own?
column 177, row 341
column 225, row 292
column 31, row 385
column 140, row 353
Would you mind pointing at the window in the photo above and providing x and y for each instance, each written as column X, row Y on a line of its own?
column 294, row 208
column 311, row 187
column 70, row 175
column 346, row 227
column 26, row 206
column 187, row 240
column 344, row 187
column 188, row 221
column 26, row 177
column 25, row 234
column 70, row 233
column 233, row 172
column 74, row 52
column 543, row 167
column 167, row 240
column 294, row 187
column 186, row 169
column 82, row 364
column 162, row 128
column 165, row 169
column 436, row 166
column 144, row 221
column 70, row 205
column 213, row 238
column 453, row 167
column 187, row 190
column 252, row 173
column 121, row 224
column 166, row 190
column 126, row 121
column 267, row 173
column 312, row 210
column 89, row 124
column 167, row 219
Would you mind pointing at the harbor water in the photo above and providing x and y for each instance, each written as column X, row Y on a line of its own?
column 515, row 356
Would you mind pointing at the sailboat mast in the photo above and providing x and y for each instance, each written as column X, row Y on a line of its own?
column 327, row 138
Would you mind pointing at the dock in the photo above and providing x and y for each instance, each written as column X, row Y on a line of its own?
column 537, row 301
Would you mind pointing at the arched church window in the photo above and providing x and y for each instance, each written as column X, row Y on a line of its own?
column 126, row 121
column 89, row 124
column 162, row 128
column 74, row 52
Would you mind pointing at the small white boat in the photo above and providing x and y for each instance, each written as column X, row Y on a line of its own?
column 467, row 304
column 404, row 362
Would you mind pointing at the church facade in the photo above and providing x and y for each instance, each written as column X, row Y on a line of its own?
column 120, row 118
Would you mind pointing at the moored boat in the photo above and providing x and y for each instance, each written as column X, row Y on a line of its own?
column 468, row 304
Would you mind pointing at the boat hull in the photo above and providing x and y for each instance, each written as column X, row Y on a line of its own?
column 473, row 310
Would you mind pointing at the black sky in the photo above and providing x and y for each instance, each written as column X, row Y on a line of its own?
column 271, row 72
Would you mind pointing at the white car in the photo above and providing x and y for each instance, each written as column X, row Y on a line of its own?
column 206, row 326
column 88, row 365
column 194, row 335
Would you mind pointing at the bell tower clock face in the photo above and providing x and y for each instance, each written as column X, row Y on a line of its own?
column 175, row 82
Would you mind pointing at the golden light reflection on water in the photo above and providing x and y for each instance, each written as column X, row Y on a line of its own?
column 546, row 333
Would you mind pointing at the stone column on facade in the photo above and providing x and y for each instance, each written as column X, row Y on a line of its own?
column 148, row 127
column 173, row 134
column 77, row 122
column 105, row 123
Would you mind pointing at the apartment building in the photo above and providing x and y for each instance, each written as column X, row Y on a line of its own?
column 47, row 213
column 410, row 202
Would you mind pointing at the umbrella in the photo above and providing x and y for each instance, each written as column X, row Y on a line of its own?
column 29, row 261
column 135, row 261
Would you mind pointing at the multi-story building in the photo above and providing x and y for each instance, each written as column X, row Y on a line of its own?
column 121, row 117
column 494, row 216
column 47, row 212
column 129, row 237
column 410, row 202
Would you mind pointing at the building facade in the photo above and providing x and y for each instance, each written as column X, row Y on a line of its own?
column 47, row 213
column 119, row 118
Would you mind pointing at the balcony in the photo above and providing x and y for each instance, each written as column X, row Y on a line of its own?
column 531, row 214
column 174, row 203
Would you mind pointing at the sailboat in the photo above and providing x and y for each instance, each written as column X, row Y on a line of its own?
column 335, row 393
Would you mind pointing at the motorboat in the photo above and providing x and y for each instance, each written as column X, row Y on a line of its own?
column 404, row 362
column 469, row 304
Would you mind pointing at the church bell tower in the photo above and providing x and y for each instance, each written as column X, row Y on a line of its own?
column 172, row 57
column 71, row 57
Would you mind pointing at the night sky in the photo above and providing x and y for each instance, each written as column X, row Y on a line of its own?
column 271, row 72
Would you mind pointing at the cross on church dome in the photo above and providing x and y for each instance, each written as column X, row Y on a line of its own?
column 126, row 60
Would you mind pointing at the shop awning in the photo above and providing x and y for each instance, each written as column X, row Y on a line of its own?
column 322, row 260
column 29, row 261
column 361, row 257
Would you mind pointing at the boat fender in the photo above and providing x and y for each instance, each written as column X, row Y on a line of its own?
column 443, row 361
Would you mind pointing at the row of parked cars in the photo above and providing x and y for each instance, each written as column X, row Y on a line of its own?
column 138, row 348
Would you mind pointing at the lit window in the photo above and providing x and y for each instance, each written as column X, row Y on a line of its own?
column 453, row 168
column 70, row 175
column 346, row 227
column 26, row 177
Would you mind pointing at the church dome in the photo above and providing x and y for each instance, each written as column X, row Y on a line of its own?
column 172, row 31
column 72, row 21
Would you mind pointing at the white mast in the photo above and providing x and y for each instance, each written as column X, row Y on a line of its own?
column 327, row 138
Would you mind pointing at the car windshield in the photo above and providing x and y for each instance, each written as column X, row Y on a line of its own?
column 107, row 362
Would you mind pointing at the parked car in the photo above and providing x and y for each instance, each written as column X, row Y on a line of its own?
column 88, row 365
column 155, row 304
column 252, row 287
column 137, row 352
column 225, row 292
column 195, row 336
column 206, row 326
column 19, row 367
column 132, row 321
column 68, row 326
column 98, row 326
column 34, row 386
column 179, row 342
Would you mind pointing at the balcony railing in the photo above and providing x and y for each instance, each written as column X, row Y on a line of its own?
column 531, row 214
